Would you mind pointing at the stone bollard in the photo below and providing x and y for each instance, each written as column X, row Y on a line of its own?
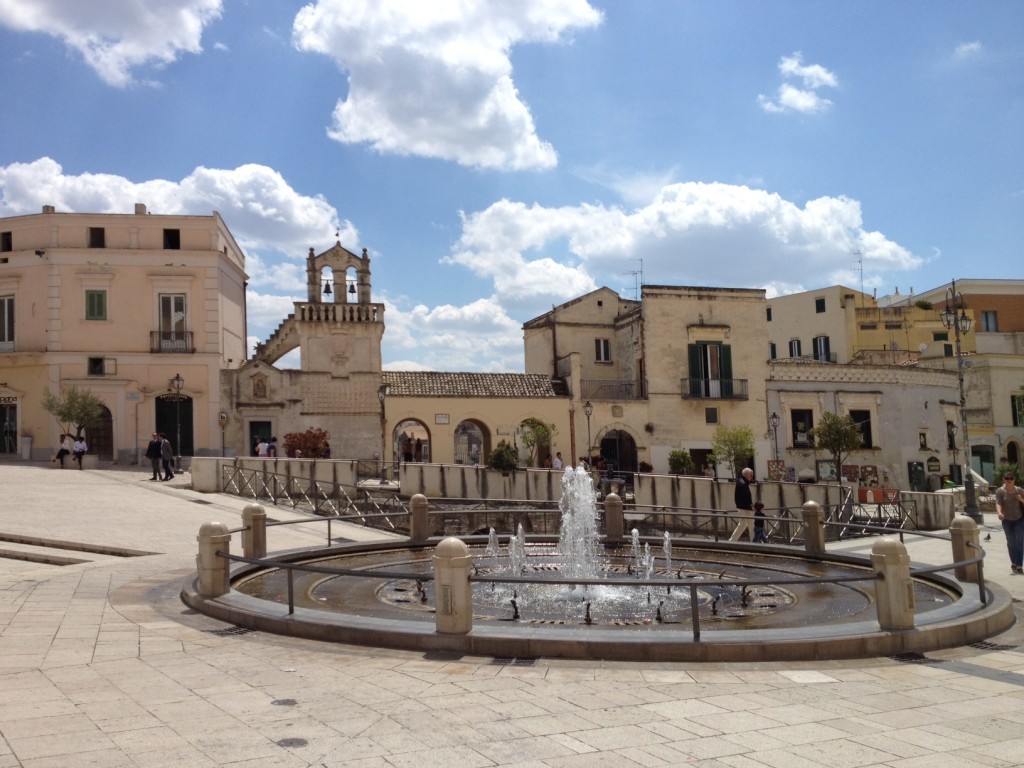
column 613, row 524
column 214, row 579
column 894, row 589
column 419, row 530
column 453, row 598
column 963, row 532
column 254, row 537
column 814, row 530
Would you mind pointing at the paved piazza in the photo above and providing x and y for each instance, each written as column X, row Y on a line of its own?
column 102, row 665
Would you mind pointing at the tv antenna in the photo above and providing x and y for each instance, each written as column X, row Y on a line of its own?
column 638, row 279
column 860, row 268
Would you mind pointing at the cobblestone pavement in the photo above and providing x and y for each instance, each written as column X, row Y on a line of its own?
column 102, row 665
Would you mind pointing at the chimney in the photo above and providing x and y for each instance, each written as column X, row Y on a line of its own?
column 49, row 209
column 140, row 209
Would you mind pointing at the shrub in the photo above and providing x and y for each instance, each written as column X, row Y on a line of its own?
column 681, row 463
column 504, row 457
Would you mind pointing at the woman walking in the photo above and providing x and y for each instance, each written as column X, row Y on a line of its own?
column 1010, row 509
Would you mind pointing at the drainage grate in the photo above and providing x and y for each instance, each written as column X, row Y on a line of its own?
column 915, row 658
column 984, row 645
column 514, row 661
column 229, row 631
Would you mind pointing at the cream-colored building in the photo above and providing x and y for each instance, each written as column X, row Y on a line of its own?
column 661, row 373
column 121, row 305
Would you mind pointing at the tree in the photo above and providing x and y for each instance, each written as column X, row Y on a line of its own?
column 534, row 433
column 504, row 457
column 733, row 446
column 74, row 409
column 681, row 463
column 838, row 436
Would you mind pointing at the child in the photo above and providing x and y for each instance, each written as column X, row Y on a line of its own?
column 759, row 537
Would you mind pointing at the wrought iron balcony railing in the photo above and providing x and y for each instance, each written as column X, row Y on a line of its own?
column 715, row 389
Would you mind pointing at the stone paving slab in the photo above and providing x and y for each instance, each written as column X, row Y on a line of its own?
column 102, row 665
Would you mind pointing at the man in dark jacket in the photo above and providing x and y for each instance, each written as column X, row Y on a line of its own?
column 154, row 454
column 167, row 456
column 744, row 505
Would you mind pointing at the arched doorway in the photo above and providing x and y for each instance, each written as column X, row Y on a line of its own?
column 100, row 437
column 472, row 442
column 618, row 450
column 1013, row 453
column 411, row 441
column 174, row 418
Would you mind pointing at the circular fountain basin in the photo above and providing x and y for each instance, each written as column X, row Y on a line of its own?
column 774, row 619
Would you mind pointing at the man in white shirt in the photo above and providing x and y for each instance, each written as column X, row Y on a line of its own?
column 557, row 463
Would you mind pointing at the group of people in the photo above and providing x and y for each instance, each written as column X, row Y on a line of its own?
column 264, row 449
column 161, row 455
column 412, row 451
column 554, row 462
column 75, row 448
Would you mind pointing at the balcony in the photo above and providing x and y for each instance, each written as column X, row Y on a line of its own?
column 613, row 389
column 171, row 342
column 714, row 389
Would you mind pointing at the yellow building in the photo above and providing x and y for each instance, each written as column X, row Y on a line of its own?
column 141, row 310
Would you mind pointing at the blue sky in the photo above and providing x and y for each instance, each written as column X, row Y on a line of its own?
column 499, row 158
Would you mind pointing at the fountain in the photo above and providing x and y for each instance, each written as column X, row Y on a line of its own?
column 642, row 610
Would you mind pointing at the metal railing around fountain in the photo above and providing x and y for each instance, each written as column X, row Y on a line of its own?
column 373, row 507
column 681, row 581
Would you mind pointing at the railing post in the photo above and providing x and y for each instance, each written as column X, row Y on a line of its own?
column 254, row 537
column 453, row 597
column 814, row 530
column 963, row 534
column 214, row 578
column 613, row 523
column 419, row 528
column 894, row 589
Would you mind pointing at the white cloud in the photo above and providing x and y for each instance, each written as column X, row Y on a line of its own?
column 805, row 99
column 968, row 50
column 690, row 234
column 261, row 209
column 115, row 37
column 434, row 78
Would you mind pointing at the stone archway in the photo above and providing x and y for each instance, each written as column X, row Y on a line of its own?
column 472, row 442
column 411, row 441
column 618, row 450
column 100, row 436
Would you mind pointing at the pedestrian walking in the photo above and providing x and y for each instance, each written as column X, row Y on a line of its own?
column 744, row 505
column 1010, row 510
column 166, row 456
column 154, row 453
column 759, row 520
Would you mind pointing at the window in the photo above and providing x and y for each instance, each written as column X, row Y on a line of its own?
column 802, row 421
column 821, row 348
column 97, row 237
column 819, row 305
column 710, row 415
column 989, row 323
column 602, row 350
column 951, row 435
column 868, row 326
column 922, row 440
column 6, row 242
column 940, row 336
column 769, row 314
column 710, row 369
column 172, row 239
column 96, row 366
column 772, row 352
column 863, row 421
column 947, row 350
column 95, row 305
column 6, row 323
column 173, row 335
column 1017, row 410
column 794, row 348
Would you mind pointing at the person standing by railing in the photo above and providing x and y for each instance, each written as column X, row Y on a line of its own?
column 744, row 505
column 1010, row 510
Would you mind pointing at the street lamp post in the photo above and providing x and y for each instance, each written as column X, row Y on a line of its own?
column 588, row 411
column 955, row 318
column 774, row 422
column 175, row 385
column 382, row 393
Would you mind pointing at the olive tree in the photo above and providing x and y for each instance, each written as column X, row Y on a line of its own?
column 838, row 436
column 74, row 409
column 534, row 433
column 733, row 446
